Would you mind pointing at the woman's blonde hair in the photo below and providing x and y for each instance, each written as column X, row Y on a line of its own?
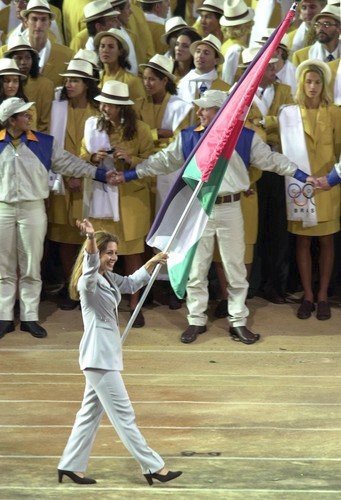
column 102, row 240
column 238, row 31
column 301, row 97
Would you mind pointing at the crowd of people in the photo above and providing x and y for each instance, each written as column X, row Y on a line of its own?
column 117, row 82
column 101, row 102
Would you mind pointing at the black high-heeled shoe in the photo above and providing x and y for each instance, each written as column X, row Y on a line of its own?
column 74, row 477
column 163, row 478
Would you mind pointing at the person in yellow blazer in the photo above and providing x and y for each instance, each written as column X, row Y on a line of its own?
column 113, row 52
column 138, row 25
column 327, row 46
column 156, row 12
column 73, row 105
column 335, row 82
column 73, row 18
column 119, row 138
column 11, row 85
column 320, row 122
column 37, row 88
column 53, row 56
column 210, row 13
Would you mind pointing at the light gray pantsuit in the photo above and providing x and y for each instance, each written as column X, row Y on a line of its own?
column 105, row 392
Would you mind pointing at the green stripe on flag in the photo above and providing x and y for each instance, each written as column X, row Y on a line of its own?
column 210, row 189
column 179, row 273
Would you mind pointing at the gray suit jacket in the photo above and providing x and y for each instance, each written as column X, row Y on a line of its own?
column 101, row 346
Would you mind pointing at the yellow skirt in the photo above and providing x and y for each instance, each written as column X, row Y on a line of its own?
column 124, row 247
column 321, row 229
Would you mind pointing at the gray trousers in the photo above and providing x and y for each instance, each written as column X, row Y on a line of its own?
column 105, row 391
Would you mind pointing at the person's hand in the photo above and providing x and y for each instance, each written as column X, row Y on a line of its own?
column 117, row 178
column 322, row 183
column 163, row 133
column 85, row 226
column 312, row 180
column 159, row 258
column 121, row 154
column 110, row 176
column 98, row 157
column 74, row 185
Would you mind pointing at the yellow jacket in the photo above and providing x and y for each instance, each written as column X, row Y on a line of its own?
column 138, row 25
column 134, row 196
column 73, row 18
column 136, row 88
column 157, row 30
column 79, row 41
column 41, row 91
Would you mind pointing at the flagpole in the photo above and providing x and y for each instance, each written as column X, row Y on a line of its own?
column 158, row 266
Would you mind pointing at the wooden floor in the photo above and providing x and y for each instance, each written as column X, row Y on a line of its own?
column 242, row 422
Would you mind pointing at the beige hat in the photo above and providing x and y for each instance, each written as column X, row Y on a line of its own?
column 97, row 9
column 114, row 92
column 211, row 99
column 87, row 55
column 114, row 3
column 173, row 25
column 334, row 2
column 314, row 62
column 11, row 106
column 10, row 67
column 236, row 12
column 213, row 42
column 284, row 43
column 79, row 69
column 16, row 43
column 249, row 54
column 41, row 6
column 114, row 33
column 212, row 6
column 332, row 11
column 161, row 63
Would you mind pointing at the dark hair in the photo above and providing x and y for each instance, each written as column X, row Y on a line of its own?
column 122, row 58
column 217, row 15
column 92, row 91
column 148, row 7
column 20, row 93
column 129, row 119
column 35, row 70
column 171, row 87
column 194, row 37
column 91, row 25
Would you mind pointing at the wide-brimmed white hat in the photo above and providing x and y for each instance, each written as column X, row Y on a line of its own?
column 11, row 106
column 114, row 33
column 309, row 63
column 332, row 11
column 79, row 68
column 236, row 12
column 213, row 42
column 10, row 67
column 97, row 9
column 284, row 43
column 161, row 63
column 211, row 99
column 17, row 43
column 41, row 6
column 114, row 92
column 173, row 25
column 212, row 6
column 250, row 53
column 87, row 55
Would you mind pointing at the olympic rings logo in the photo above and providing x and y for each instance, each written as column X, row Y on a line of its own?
column 301, row 195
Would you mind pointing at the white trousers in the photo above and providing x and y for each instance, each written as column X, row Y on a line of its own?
column 227, row 225
column 105, row 391
column 22, row 229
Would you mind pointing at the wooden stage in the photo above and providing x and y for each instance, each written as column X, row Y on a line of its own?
column 242, row 422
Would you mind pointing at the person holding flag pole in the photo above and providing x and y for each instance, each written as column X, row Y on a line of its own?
column 205, row 199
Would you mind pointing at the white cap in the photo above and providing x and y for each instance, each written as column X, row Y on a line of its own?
column 211, row 99
column 11, row 106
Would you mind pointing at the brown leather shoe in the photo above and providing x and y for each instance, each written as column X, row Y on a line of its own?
column 305, row 309
column 191, row 333
column 243, row 334
column 323, row 310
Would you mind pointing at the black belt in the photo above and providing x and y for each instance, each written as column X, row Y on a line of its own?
column 227, row 198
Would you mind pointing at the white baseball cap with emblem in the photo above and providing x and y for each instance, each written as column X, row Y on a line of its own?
column 211, row 99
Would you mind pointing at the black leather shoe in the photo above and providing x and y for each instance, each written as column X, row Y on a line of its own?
column 243, row 334
column 74, row 477
column 33, row 328
column 163, row 478
column 221, row 311
column 191, row 333
column 6, row 327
